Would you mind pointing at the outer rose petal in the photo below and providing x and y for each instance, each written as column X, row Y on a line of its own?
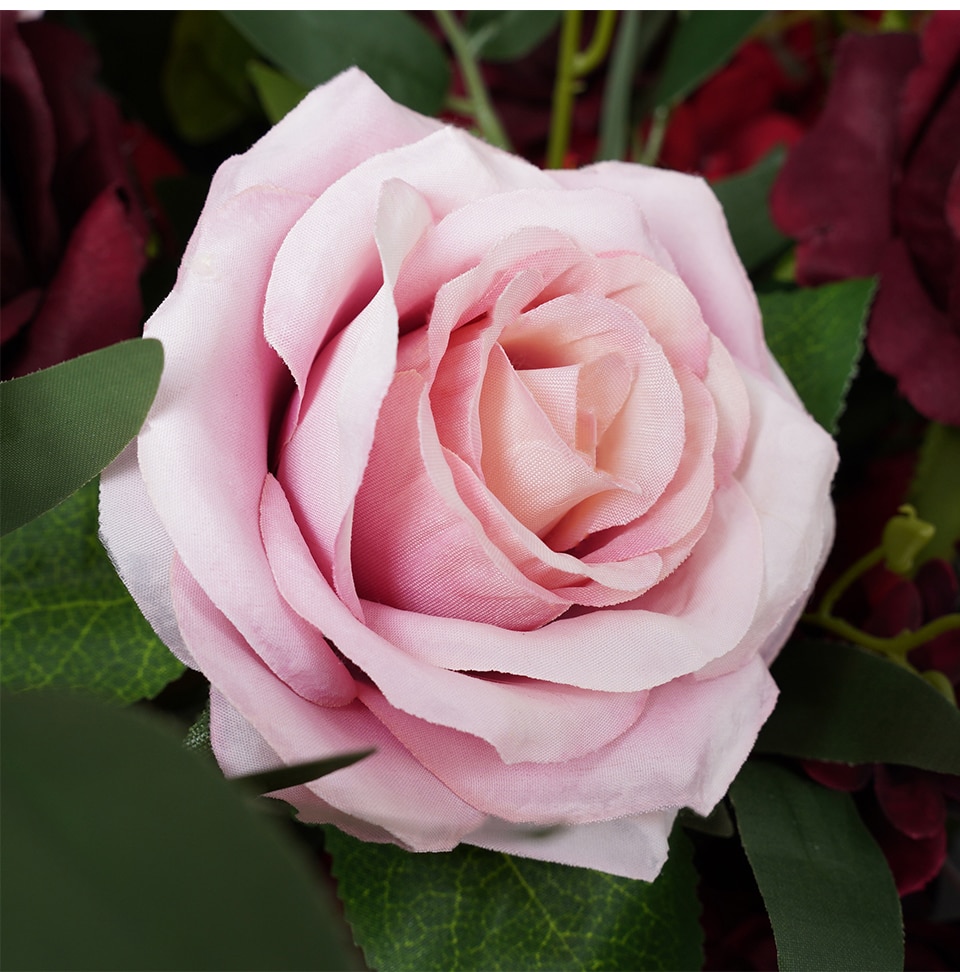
column 686, row 217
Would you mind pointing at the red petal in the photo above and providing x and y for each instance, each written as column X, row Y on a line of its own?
column 834, row 192
column 838, row 776
column 914, row 341
column 911, row 800
column 94, row 299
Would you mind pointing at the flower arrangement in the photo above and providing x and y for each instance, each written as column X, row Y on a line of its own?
column 524, row 535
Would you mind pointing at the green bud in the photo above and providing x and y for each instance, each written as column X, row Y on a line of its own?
column 904, row 536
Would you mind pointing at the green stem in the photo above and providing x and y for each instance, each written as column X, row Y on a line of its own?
column 573, row 64
column 658, row 129
column 836, row 589
column 587, row 60
column 487, row 121
column 895, row 648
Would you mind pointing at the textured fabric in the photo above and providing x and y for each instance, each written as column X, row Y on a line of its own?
column 483, row 466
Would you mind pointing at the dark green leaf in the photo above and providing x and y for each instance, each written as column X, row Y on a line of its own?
column 311, row 46
column 63, row 425
column 817, row 336
column 507, row 35
column 826, row 885
column 280, row 779
column 205, row 78
column 841, row 703
column 705, row 40
column 745, row 203
column 66, row 619
column 475, row 909
column 278, row 94
column 936, row 489
column 122, row 850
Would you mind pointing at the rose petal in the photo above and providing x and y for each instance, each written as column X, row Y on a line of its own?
column 685, row 622
column 523, row 720
column 389, row 789
column 342, row 398
column 415, row 545
column 140, row 547
column 688, row 221
column 632, row 847
column 203, row 468
column 684, row 750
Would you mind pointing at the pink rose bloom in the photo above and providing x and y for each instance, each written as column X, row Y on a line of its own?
column 483, row 466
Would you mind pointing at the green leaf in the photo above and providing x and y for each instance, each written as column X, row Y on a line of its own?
column 205, row 80
column 476, row 909
column 936, row 488
column 278, row 94
column 122, row 850
column 280, row 779
column 841, row 703
column 704, row 41
column 817, row 336
column 66, row 620
column 311, row 46
column 63, row 425
column 826, row 885
column 745, row 203
column 507, row 35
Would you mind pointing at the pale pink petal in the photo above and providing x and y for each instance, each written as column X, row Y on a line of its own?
column 637, row 524
column 525, row 463
column 327, row 268
column 342, row 399
column 687, row 219
column 139, row 547
column 389, row 789
column 415, row 544
column 522, row 719
column 568, row 577
column 631, row 847
column 599, row 221
column 203, row 449
column 240, row 750
column 685, row 622
column 685, row 749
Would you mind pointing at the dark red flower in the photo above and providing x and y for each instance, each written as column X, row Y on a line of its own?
column 73, row 233
column 763, row 98
column 874, row 188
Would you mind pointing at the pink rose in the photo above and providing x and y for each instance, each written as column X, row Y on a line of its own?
column 483, row 466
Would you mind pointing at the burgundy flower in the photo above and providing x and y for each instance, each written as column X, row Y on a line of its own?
column 760, row 100
column 875, row 188
column 73, row 234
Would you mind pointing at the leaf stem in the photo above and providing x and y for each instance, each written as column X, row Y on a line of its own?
column 482, row 109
